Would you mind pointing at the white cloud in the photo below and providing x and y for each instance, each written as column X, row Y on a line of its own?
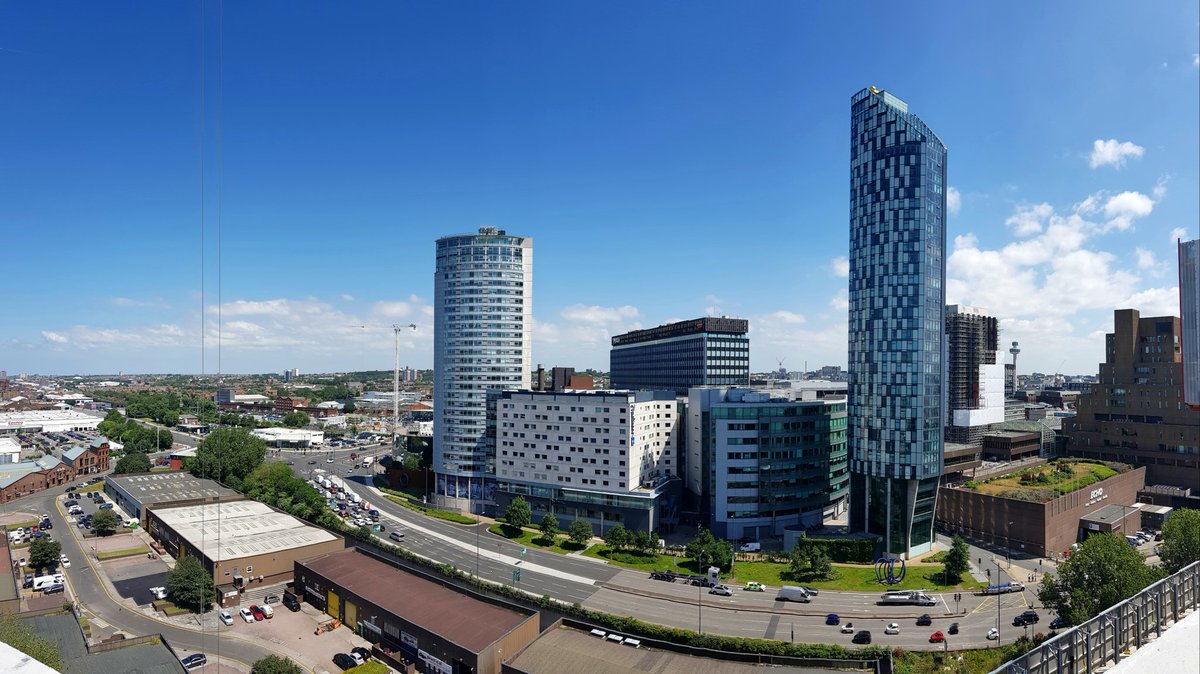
column 1124, row 207
column 1113, row 153
column 1177, row 234
column 1160, row 187
column 347, row 297
column 841, row 300
column 392, row 309
column 55, row 337
column 1154, row 301
column 1029, row 218
column 1196, row 60
column 1145, row 258
column 787, row 317
column 953, row 200
column 841, row 267
column 129, row 302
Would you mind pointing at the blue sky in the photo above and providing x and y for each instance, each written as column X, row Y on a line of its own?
column 669, row 159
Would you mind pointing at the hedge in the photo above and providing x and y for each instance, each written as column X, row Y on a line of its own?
column 843, row 550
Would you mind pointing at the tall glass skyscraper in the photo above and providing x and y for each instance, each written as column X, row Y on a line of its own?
column 482, row 335
column 897, row 301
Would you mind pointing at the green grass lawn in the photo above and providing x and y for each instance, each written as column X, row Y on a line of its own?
column 534, row 538
column 854, row 577
column 371, row 667
column 97, row 486
column 636, row 560
column 457, row 518
column 127, row 552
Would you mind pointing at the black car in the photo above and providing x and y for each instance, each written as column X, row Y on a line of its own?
column 344, row 661
column 290, row 601
column 71, row 502
column 953, row 629
column 862, row 637
column 1058, row 623
column 194, row 661
column 361, row 652
column 1026, row 618
column 28, row 581
column 924, row 620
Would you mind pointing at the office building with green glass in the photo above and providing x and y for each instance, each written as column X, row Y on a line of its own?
column 758, row 464
column 896, row 405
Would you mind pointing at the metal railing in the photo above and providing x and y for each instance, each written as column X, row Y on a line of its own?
column 1084, row 649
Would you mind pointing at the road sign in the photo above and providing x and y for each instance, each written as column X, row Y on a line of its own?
column 516, row 575
column 522, row 552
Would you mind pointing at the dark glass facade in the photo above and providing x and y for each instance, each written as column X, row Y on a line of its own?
column 678, row 356
column 897, row 302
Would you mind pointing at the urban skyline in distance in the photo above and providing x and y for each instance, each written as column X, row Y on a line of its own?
column 690, row 162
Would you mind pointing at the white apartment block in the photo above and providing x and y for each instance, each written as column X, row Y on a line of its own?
column 606, row 441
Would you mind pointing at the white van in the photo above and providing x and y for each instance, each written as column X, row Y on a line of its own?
column 355, row 498
column 42, row 582
column 792, row 593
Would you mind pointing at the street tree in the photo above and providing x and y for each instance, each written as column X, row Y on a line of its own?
column 275, row 664
column 104, row 522
column 616, row 537
column 579, row 532
column 1180, row 539
column 228, row 455
column 819, row 564
column 295, row 419
column 958, row 560
column 798, row 560
column 189, row 585
column 518, row 514
column 643, row 541
column 549, row 527
column 133, row 462
column 44, row 553
column 718, row 553
column 1103, row 571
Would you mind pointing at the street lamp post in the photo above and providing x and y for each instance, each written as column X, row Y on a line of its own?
column 700, row 596
column 998, row 604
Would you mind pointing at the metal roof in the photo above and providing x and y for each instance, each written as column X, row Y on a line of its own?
column 225, row 531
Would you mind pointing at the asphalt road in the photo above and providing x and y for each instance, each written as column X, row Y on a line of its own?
column 90, row 592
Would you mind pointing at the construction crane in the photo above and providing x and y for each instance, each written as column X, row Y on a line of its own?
column 396, row 329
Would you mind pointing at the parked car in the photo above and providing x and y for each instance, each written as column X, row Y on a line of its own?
column 892, row 628
column 358, row 659
column 271, row 599
column 225, row 617
column 721, row 590
column 361, row 652
column 290, row 601
column 257, row 612
column 1058, row 623
column 344, row 661
column 847, row 628
column 937, row 637
column 750, row 547
column 194, row 661
column 158, row 592
column 53, row 589
column 832, row 619
column 862, row 637
column 267, row 611
column 924, row 620
column 65, row 562
column 246, row 615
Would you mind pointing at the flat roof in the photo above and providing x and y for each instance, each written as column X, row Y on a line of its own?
column 1174, row 651
column 225, row 531
column 151, row 488
column 468, row 622
column 570, row 650
column 1112, row 513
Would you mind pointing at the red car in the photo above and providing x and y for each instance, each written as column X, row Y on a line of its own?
column 353, row 455
column 937, row 637
column 256, row 612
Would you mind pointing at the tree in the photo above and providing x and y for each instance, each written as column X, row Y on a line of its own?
column 295, row 419
column 362, row 533
column 1103, row 571
column 798, row 559
column 228, row 455
column 579, row 532
column 104, row 522
column 113, row 424
column 820, row 566
column 518, row 514
column 642, row 541
column 189, row 585
column 274, row 664
column 715, row 552
column 1181, row 539
column 549, row 527
column 617, row 537
column 44, row 553
column 958, row 560
column 133, row 462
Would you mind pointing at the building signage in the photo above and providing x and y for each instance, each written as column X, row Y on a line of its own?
column 432, row 664
column 408, row 639
column 1097, row 493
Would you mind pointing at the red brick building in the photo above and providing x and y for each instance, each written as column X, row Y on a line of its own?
column 87, row 459
column 28, row 477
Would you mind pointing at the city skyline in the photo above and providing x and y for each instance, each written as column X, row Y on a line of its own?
column 695, row 170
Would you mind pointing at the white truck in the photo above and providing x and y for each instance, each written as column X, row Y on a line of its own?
column 367, row 461
column 917, row 597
